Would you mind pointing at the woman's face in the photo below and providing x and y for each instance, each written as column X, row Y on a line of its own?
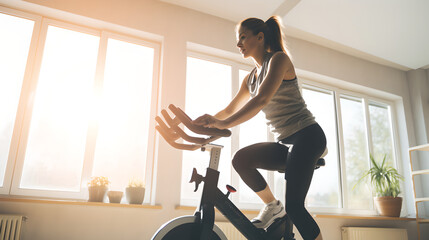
column 247, row 42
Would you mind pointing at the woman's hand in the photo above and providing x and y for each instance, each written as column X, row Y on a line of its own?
column 207, row 120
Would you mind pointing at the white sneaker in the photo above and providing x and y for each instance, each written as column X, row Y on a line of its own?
column 268, row 214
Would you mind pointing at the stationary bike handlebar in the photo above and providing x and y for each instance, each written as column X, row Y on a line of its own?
column 171, row 132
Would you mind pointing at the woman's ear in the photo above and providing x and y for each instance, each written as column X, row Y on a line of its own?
column 260, row 36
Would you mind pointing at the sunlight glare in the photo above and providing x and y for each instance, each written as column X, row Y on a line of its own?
column 14, row 46
column 57, row 137
column 125, row 113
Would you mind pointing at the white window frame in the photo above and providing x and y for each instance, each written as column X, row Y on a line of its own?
column 236, row 65
column 24, row 97
column 15, row 189
column 16, row 160
column 366, row 98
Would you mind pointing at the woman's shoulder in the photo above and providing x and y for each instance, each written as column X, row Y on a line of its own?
column 280, row 58
column 280, row 55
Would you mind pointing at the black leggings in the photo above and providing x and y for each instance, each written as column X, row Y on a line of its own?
column 308, row 145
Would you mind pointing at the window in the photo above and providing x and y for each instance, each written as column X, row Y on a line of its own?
column 381, row 132
column 325, row 187
column 359, row 125
column 122, row 141
column 210, row 85
column 208, row 90
column 58, row 126
column 355, row 151
column 354, row 125
column 251, row 132
column 90, row 101
column 15, row 42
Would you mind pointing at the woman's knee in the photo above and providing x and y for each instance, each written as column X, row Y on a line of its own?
column 239, row 159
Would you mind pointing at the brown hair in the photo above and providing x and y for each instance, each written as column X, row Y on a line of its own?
column 273, row 34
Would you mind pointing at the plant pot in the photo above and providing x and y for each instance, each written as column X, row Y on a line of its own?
column 388, row 206
column 97, row 193
column 134, row 195
column 115, row 196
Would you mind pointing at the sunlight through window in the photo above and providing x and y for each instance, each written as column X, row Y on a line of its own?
column 208, row 90
column 356, row 151
column 324, row 189
column 381, row 133
column 252, row 131
column 14, row 46
column 122, row 139
column 56, row 141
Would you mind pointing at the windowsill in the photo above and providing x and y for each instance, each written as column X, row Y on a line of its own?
column 361, row 217
column 317, row 215
column 188, row 208
column 78, row 202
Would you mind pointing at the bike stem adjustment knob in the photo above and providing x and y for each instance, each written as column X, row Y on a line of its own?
column 230, row 189
column 197, row 178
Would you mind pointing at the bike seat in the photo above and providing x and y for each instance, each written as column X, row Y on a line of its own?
column 320, row 163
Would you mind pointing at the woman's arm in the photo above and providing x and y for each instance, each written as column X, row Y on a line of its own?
column 237, row 102
column 279, row 65
column 277, row 68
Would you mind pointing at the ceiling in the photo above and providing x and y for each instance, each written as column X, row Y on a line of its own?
column 389, row 32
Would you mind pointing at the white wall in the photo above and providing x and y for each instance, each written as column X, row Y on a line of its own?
column 177, row 26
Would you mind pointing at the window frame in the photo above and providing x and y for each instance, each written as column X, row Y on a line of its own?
column 24, row 95
column 98, row 87
column 19, row 139
column 366, row 100
column 15, row 189
column 235, row 65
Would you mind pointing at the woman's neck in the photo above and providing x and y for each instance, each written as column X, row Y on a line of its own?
column 259, row 58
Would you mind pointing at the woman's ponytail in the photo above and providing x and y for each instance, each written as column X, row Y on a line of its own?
column 274, row 35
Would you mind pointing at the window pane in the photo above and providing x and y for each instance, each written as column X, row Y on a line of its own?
column 381, row 132
column 356, row 152
column 253, row 131
column 14, row 46
column 56, row 141
column 208, row 90
column 122, row 140
column 324, row 189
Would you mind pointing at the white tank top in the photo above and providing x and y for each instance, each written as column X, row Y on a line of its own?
column 286, row 113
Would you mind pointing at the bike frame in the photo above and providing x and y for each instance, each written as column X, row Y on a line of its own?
column 213, row 197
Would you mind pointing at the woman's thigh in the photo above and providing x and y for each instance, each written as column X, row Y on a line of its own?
column 265, row 155
column 308, row 146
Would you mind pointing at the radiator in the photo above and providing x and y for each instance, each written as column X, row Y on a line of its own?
column 361, row 233
column 230, row 231
column 10, row 227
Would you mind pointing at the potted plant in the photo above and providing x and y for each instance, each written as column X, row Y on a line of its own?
column 97, row 189
column 115, row 196
column 385, row 181
column 134, row 192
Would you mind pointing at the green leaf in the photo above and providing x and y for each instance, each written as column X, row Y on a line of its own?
column 384, row 179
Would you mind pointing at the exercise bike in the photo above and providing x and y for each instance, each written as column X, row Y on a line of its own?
column 201, row 225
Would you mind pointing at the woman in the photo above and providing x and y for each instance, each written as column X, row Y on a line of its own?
column 272, row 87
